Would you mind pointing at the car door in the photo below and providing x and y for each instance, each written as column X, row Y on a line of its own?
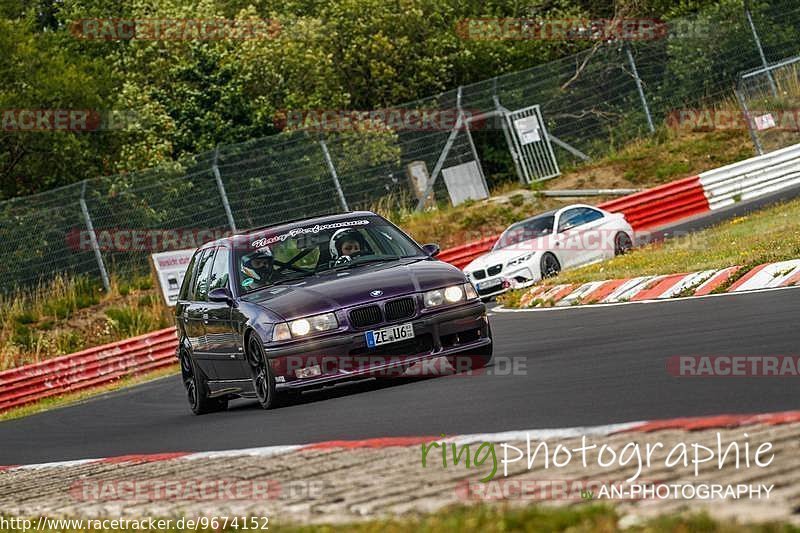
column 566, row 242
column 196, row 314
column 590, row 229
column 221, row 335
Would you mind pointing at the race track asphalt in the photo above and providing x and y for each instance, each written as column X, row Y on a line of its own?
column 582, row 366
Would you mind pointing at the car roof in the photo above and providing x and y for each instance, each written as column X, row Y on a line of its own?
column 288, row 224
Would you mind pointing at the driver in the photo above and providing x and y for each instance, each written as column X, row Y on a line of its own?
column 258, row 265
column 347, row 242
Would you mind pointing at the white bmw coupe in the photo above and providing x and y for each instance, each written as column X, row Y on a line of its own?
column 541, row 246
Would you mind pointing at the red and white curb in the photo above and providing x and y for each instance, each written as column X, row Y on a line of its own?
column 662, row 287
column 725, row 421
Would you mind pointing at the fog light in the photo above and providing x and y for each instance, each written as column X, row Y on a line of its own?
column 308, row 372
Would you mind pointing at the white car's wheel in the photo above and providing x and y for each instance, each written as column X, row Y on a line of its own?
column 622, row 243
column 549, row 265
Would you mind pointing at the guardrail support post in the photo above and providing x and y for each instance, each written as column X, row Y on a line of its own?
column 640, row 89
column 222, row 193
column 334, row 175
column 93, row 239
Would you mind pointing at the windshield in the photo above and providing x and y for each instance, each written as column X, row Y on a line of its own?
column 525, row 231
column 271, row 258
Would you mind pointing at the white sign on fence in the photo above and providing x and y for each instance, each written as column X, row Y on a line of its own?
column 764, row 122
column 464, row 182
column 170, row 268
column 528, row 129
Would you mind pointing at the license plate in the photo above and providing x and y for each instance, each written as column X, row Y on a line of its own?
column 378, row 337
column 488, row 284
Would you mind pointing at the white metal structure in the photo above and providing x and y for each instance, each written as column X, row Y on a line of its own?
column 530, row 144
column 752, row 177
column 543, row 245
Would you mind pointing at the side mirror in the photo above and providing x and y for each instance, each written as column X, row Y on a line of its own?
column 432, row 250
column 220, row 294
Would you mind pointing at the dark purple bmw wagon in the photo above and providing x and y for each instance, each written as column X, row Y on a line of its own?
column 307, row 303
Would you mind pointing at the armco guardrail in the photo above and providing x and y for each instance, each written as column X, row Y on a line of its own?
column 752, row 177
column 460, row 256
column 661, row 205
column 88, row 368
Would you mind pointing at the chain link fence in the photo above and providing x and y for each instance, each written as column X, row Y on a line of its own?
column 591, row 103
column 770, row 99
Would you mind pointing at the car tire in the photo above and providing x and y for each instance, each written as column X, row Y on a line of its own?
column 549, row 266
column 197, row 388
column 263, row 381
column 622, row 243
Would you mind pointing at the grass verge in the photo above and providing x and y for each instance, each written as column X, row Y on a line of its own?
column 765, row 236
column 497, row 519
column 70, row 314
column 79, row 396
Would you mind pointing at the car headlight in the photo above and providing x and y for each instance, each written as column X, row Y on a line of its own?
column 450, row 295
column 520, row 260
column 304, row 326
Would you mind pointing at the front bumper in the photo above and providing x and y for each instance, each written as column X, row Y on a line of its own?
column 517, row 278
column 463, row 330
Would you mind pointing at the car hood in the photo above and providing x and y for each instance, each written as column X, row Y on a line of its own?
column 502, row 256
column 334, row 290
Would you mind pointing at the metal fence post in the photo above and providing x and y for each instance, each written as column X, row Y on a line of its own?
column 222, row 193
column 469, row 138
column 334, row 175
column 757, row 39
column 93, row 239
column 443, row 156
column 640, row 89
column 753, row 135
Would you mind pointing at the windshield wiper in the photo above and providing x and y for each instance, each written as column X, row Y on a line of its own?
column 290, row 279
column 358, row 261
